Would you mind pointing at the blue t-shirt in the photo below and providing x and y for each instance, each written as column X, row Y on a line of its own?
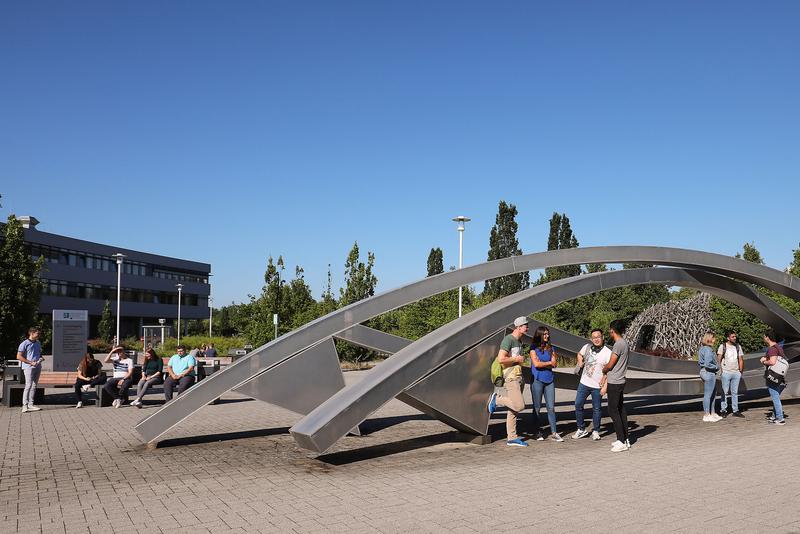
column 543, row 375
column 32, row 350
column 180, row 364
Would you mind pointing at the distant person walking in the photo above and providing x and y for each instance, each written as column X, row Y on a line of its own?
column 510, row 357
column 592, row 358
column 707, row 361
column 152, row 371
column 180, row 369
column 731, row 359
column 615, row 386
column 122, row 378
column 90, row 373
column 775, row 370
column 29, row 353
column 543, row 361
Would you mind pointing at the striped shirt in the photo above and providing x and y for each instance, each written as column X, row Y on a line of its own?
column 121, row 366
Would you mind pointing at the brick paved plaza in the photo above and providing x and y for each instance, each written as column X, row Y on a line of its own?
column 234, row 468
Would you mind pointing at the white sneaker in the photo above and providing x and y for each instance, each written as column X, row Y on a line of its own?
column 85, row 388
column 135, row 402
column 24, row 408
column 32, row 408
column 580, row 434
column 79, row 405
column 556, row 437
column 595, row 435
column 716, row 417
column 116, row 403
column 628, row 443
column 707, row 418
column 618, row 446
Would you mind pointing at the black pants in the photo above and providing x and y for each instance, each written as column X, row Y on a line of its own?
column 95, row 381
column 112, row 389
column 183, row 385
column 616, row 409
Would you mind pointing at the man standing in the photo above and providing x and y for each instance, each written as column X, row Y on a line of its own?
column 29, row 354
column 615, row 384
column 731, row 359
column 123, row 374
column 510, row 357
column 181, row 371
column 592, row 358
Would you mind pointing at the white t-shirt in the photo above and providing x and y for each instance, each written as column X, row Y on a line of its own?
column 593, row 363
column 121, row 366
column 731, row 360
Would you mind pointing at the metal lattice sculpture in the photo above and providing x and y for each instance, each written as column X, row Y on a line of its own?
column 676, row 326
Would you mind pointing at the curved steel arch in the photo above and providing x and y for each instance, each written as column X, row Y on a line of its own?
column 287, row 346
column 347, row 408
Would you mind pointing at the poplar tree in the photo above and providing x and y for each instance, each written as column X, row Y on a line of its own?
column 106, row 326
column 560, row 237
column 435, row 261
column 503, row 243
column 359, row 283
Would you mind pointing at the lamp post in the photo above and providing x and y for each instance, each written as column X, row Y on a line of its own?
column 161, row 322
column 119, row 258
column 460, row 220
column 180, row 287
column 210, row 313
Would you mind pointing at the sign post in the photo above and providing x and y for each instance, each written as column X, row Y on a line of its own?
column 70, row 332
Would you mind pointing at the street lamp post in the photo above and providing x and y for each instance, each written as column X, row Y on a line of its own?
column 460, row 220
column 210, row 313
column 161, row 322
column 180, row 288
column 119, row 258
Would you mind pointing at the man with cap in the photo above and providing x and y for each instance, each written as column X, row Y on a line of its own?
column 511, row 357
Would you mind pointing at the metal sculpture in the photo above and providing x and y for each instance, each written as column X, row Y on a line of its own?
column 469, row 339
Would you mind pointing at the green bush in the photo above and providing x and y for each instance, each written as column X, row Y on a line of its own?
column 222, row 344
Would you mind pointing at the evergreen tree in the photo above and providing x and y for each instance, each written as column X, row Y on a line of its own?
column 106, row 327
column 750, row 253
column 794, row 268
column 503, row 243
column 20, row 287
column 435, row 261
column 359, row 283
column 560, row 237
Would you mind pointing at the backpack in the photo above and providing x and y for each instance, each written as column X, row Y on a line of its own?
column 497, row 373
column 776, row 373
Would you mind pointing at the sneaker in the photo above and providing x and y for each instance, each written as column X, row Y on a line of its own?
column 492, row 405
column 618, row 446
column 135, row 402
column 628, row 443
column 715, row 417
column 580, row 433
column 32, row 408
column 24, row 408
column 556, row 437
column 79, row 405
column 738, row 414
column 516, row 443
column 595, row 435
column 85, row 388
column 539, row 436
column 724, row 414
column 116, row 403
column 776, row 422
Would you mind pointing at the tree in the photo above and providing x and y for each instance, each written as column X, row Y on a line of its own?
column 20, row 287
column 359, row 283
column 794, row 268
column 750, row 253
column 560, row 237
column 327, row 303
column 106, row 327
column 503, row 243
column 435, row 261
column 301, row 305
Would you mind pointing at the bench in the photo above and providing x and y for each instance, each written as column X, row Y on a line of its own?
column 12, row 389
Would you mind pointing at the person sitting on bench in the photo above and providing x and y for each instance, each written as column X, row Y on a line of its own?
column 152, row 370
column 90, row 374
column 180, row 369
column 123, row 374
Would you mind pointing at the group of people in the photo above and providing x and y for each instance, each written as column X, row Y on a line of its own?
column 182, row 369
column 728, row 362
column 602, row 373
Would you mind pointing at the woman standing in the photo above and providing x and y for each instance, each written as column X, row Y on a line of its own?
column 775, row 367
column 152, row 371
column 708, row 374
column 544, row 360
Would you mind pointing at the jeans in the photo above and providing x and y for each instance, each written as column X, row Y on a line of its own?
column 31, row 378
column 144, row 385
column 580, row 399
column 775, row 393
column 115, row 386
column 95, row 381
column 549, row 390
column 730, row 382
column 709, row 385
column 616, row 409
column 183, row 385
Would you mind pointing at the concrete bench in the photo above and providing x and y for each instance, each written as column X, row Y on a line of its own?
column 12, row 389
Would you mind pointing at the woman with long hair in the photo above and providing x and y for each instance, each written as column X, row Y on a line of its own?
column 152, row 370
column 707, row 361
column 544, row 360
column 89, row 374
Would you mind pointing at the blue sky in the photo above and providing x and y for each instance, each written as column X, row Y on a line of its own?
column 225, row 132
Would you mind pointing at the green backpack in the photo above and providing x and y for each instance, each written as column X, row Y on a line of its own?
column 497, row 373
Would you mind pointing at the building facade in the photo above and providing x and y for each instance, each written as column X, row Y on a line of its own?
column 81, row 275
